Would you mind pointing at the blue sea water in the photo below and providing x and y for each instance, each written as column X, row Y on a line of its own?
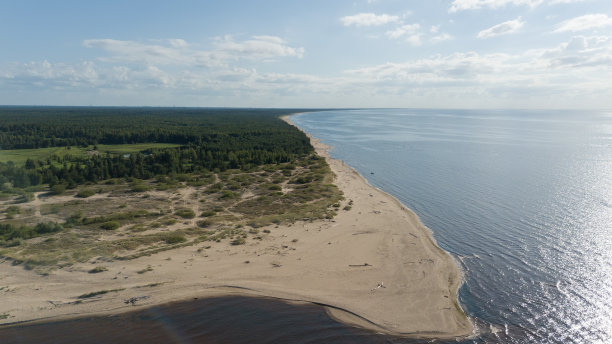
column 522, row 199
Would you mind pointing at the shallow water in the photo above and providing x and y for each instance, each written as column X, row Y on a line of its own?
column 217, row 320
column 522, row 198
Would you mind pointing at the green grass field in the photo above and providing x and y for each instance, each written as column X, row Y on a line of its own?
column 19, row 156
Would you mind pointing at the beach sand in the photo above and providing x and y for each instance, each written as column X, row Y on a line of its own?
column 374, row 266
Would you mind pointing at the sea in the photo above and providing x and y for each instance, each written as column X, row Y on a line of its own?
column 522, row 199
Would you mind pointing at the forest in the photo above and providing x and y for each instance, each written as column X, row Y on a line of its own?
column 210, row 139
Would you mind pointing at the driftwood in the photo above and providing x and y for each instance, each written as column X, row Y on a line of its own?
column 380, row 285
column 132, row 301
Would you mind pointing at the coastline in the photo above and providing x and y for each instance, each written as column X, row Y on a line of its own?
column 456, row 323
column 322, row 262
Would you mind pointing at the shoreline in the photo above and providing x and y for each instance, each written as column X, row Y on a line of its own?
column 456, row 276
column 375, row 266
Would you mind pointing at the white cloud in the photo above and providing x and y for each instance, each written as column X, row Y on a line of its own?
column 574, row 74
column 368, row 19
column 138, row 52
column 462, row 5
column 441, row 38
column 508, row 27
column 586, row 22
column 411, row 32
column 51, row 75
column 563, row 75
column 581, row 51
column 259, row 47
column 178, row 43
column 438, row 36
column 554, row 2
column 403, row 31
column 179, row 52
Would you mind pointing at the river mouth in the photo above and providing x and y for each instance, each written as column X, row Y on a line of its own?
column 231, row 319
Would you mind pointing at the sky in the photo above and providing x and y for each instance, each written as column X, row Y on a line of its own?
column 529, row 54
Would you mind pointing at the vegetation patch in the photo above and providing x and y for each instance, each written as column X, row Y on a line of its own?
column 185, row 213
column 175, row 238
column 9, row 231
column 58, row 189
column 13, row 210
column 204, row 223
column 110, row 225
column 119, row 216
column 85, row 193
column 238, row 241
column 147, row 269
column 138, row 187
column 98, row 269
column 208, row 213
column 242, row 169
column 97, row 293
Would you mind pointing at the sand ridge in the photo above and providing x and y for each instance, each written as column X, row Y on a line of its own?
column 374, row 266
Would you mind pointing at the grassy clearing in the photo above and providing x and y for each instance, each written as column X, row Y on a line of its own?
column 19, row 156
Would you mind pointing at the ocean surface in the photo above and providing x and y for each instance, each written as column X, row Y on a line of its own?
column 522, row 199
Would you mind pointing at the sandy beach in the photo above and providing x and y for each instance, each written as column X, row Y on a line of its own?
column 375, row 266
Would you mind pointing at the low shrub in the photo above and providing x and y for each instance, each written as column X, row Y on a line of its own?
column 85, row 193
column 147, row 269
column 175, row 238
column 238, row 241
column 110, row 225
column 97, row 269
column 208, row 213
column 140, row 188
column 47, row 227
column 185, row 213
column 11, row 243
column 12, row 210
column 226, row 194
column 204, row 223
column 58, row 189
column 10, row 233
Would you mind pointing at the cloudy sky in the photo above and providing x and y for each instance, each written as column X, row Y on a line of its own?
column 285, row 53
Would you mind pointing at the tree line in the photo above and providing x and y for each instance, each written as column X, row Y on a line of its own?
column 41, row 127
column 210, row 138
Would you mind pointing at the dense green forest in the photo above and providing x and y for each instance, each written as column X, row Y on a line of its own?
column 209, row 138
